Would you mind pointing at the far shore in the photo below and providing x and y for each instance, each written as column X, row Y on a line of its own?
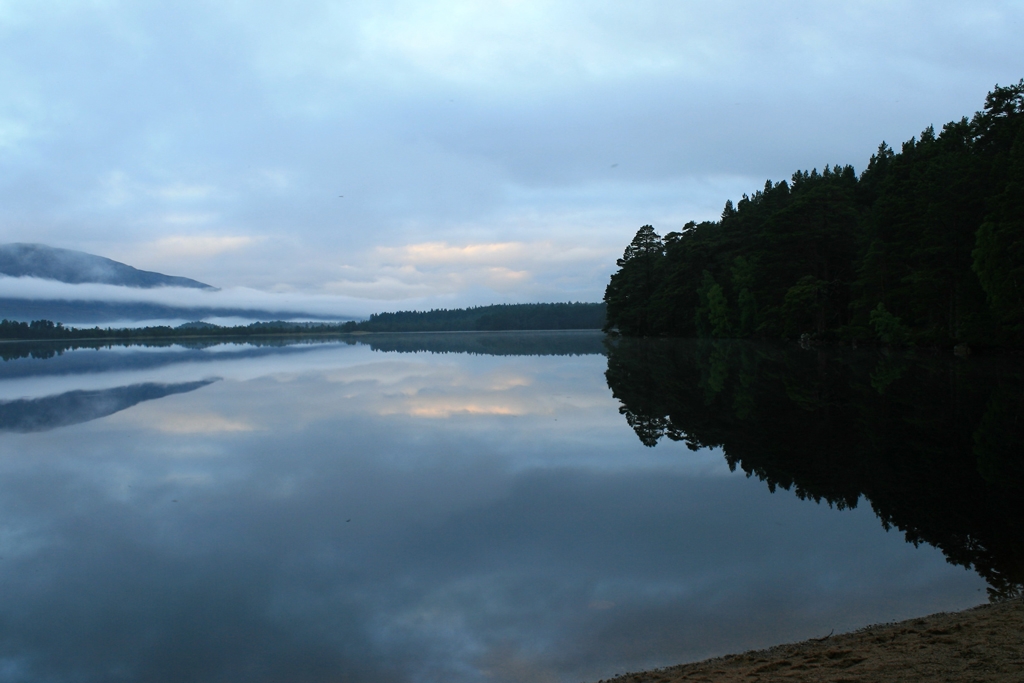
column 984, row 643
column 287, row 334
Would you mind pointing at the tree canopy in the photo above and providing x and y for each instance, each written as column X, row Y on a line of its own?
column 926, row 245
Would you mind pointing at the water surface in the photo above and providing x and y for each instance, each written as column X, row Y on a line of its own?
column 445, row 507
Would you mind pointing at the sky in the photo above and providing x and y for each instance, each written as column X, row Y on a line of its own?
column 393, row 154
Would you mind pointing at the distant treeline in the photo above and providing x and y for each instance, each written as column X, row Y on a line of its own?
column 534, row 343
column 48, row 330
column 565, row 316
column 925, row 246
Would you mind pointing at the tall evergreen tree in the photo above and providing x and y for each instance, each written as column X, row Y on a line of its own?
column 999, row 250
column 631, row 290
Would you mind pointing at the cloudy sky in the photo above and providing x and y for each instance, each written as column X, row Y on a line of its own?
column 403, row 154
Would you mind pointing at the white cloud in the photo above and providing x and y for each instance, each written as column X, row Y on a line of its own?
column 200, row 246
column 12, row 132
column 182, row 191
column 496, row 271
column 187, row 218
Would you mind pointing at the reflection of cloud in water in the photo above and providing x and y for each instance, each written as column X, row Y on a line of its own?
column 107, row 368
column 334, row 542
column 449, row 409
column 441, row 391
column 75, row 407
column 450, row 571
column 207, row 423
column 102, row 366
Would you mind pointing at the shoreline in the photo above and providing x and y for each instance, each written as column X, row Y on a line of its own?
column 983, row 643
column 330, row 334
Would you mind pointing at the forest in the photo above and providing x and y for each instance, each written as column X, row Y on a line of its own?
column 925, row 246
column 47, row 330
column 554, row 316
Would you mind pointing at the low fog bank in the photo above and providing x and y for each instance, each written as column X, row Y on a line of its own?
column 27, row 298
column 77, row 267
column 127, row 314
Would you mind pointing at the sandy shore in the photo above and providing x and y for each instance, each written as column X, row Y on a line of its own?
column 985, row 643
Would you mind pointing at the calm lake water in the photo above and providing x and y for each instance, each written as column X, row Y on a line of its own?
column 503, row 507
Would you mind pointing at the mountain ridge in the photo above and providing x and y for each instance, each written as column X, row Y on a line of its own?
column 23, row 259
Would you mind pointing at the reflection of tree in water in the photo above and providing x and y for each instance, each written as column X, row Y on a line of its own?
column 508, row 343
column 935, row 444
column 501, row 343
column 44, row 350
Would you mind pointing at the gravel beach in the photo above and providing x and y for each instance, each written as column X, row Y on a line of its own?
column 984, row 643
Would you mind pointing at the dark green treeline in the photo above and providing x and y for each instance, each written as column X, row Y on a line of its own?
column 925, row 246
column 934, row 443
column 498, row 317
column 554, row 316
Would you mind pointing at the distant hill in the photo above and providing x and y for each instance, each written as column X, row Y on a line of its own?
column 77, row 267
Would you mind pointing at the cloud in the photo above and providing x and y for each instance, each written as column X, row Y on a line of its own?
column 12, row 132
column 447, row 409
column 470, row 43
column 199, row 246
column 442, row 253
column 496, row 271
column 195, row 126
column 182, row 191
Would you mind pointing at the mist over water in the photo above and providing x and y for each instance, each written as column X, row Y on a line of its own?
column 445, row 507
column 31, row 298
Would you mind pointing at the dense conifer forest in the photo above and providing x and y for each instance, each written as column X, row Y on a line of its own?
column 925, row 246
